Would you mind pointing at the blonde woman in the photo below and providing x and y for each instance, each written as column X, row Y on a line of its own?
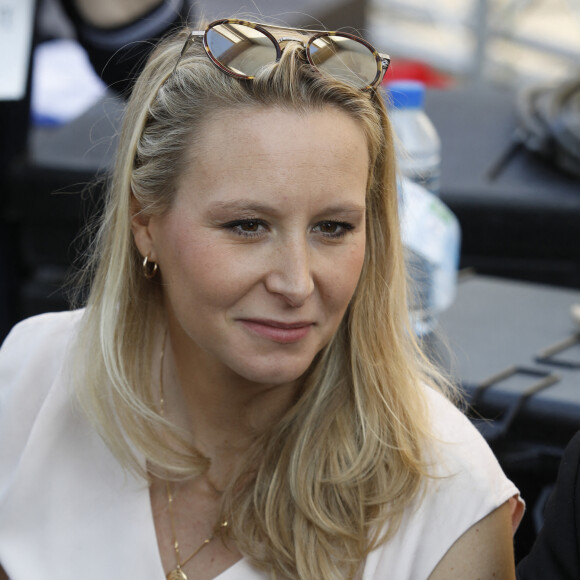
column 241, row 397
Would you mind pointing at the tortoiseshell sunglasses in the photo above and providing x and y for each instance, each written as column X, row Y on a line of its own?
column 241, row 48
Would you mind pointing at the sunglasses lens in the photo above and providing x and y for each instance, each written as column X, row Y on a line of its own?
column 240, row 49
column 345, row 59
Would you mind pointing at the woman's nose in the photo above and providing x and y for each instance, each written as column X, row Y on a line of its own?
column 290, row 273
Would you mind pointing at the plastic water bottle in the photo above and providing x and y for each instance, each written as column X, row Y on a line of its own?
column 416, row 141
column 430, row 231
column 432, row 239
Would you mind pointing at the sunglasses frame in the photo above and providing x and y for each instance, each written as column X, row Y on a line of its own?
column 304, row 36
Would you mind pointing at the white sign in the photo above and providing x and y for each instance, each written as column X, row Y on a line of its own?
column 16, row 29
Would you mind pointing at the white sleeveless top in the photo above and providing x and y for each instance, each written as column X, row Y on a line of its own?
column 68, row 509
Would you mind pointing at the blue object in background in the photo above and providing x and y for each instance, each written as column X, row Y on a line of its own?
column 64, row 84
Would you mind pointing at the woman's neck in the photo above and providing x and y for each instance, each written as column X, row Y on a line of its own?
column 222, row 412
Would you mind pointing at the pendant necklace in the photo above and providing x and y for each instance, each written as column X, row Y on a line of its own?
column 177, row 573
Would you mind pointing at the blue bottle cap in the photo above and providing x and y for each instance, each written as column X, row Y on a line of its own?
column 405, row 94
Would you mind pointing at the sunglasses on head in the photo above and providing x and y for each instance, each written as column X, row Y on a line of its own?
column 241, row 49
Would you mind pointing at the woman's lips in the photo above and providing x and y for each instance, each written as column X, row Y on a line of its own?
column 276, row 331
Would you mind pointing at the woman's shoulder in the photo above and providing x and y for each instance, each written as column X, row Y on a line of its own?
column 458, row 453
column 39, row 327
column 33, row 352
column 465, row 483
column 446, row 419
column 468, row 482
column 36, row 340
column 30, row 359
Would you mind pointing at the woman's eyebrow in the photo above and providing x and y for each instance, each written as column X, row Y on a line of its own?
column 253, row 205
column 344, row 208
column 241, row 205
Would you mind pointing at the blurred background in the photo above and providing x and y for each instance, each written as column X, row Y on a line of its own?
column 501, row 89
column 509, row 42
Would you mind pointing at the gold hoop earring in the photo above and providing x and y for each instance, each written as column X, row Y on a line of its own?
column 149, row 268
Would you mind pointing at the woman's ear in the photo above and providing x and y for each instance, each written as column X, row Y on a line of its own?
column 140, row 222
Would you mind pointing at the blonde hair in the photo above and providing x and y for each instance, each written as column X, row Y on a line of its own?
column 299, row 509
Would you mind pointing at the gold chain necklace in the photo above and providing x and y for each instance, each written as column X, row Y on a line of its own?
column 177, row 573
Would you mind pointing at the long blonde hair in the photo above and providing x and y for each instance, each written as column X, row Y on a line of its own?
column 331, row 479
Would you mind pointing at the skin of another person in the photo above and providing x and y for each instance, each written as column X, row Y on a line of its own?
column 113, row 13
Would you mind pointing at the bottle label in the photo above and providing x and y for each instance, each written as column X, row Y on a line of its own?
column 431, row 237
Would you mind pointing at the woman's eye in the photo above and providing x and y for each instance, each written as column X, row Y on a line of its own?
column 332, row 229
column 247, row 228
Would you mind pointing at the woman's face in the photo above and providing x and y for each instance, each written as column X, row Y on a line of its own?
column 262, row 248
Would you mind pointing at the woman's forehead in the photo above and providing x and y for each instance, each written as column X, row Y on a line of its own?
column 252, row 138
column 279, row 156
